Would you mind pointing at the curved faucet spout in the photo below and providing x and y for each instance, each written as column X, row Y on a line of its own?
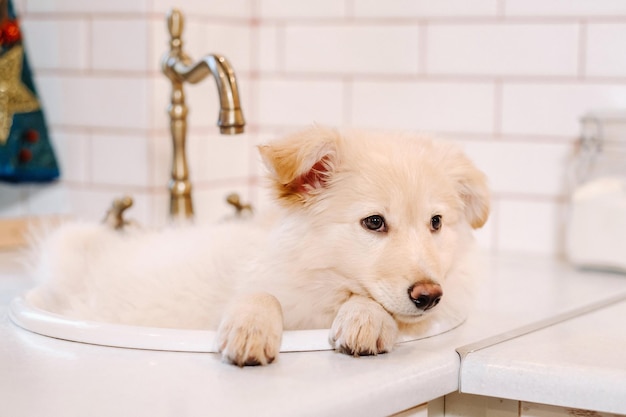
column 178, row 67
column 230, row 119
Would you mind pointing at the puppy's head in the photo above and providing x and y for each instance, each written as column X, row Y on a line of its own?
column 390, row 215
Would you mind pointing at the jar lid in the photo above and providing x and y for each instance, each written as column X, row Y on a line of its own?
column 608, row 115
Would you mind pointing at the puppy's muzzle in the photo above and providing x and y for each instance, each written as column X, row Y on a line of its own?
column 425, row 294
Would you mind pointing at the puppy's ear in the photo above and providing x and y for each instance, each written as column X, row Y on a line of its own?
column 473, row 188
column 302, row 164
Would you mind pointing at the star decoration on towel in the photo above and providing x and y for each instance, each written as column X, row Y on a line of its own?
column 15, row 97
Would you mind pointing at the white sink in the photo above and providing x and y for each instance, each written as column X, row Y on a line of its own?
column 28, row 312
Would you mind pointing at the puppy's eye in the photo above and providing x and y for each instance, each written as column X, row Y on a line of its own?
column 435, row 223
column 375, row 223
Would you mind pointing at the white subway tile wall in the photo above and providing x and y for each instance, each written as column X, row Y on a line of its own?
column 47, row 199
column 604, row 55
column 85, row 7
column 422, row 105
column 216, row 8
column 297, row 102
column 120, row 44
column 106, row 101
column 424, row 8
column 13, row 200
column 120, row 159
column 503, row 49
column 509, row 164
column 506, row 79
column 554, row 108
column 351, row 49
column 60, row 44
column 73, row 152
column 560, row 8
column 529, row 226
column 301, row 9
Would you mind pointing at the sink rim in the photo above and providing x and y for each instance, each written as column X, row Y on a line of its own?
column 40, row 321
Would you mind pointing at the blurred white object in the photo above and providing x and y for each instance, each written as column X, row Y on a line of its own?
column 596, row 231
column 597, row 228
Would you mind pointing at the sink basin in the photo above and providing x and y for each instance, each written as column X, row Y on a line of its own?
column 28, row 312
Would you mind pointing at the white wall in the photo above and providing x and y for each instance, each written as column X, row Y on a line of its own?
column 508, row 79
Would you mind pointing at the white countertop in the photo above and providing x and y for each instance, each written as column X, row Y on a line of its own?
column 578, row 363
column 45, row 376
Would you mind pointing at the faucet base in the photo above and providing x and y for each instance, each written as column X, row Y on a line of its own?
column 180, row 199
column 181, row 207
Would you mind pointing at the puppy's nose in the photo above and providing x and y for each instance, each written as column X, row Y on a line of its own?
column 425, row 294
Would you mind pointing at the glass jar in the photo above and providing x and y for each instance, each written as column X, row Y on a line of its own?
column 596, row 228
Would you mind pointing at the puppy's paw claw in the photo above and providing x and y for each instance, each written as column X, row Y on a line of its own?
column 243, row 349
column 250, row 333
column 245, row 346
column 362, row 327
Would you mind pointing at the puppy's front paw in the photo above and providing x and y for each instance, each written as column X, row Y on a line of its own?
column 363, row 327
column 251, row 331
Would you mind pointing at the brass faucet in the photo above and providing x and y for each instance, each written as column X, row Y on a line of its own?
column 179, row 68
column 114, row 217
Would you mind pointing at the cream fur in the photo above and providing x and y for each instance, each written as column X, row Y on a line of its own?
column 307, row 263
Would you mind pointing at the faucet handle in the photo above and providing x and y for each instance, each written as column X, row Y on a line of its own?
column 175, row 23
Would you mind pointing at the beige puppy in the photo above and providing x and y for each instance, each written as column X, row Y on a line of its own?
column 371, row 235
